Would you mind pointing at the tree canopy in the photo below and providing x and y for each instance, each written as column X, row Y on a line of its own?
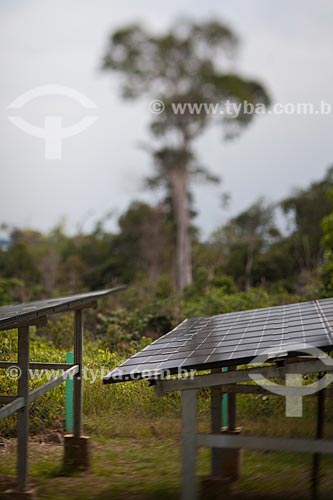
column 184, row 69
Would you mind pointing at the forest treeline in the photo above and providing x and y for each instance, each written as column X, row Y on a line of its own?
column 247, row 263
column 250, row 250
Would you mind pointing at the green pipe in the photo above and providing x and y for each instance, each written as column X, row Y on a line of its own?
column 224, row 404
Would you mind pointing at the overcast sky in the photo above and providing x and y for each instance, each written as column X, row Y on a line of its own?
column 286, row 45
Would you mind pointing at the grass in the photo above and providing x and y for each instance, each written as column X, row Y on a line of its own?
column 145, row 465
column 136, row 439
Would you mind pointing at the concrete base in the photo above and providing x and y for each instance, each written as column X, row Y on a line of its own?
column 76, row 453
column 215, row 488
column 231, row 459
column 28, row 494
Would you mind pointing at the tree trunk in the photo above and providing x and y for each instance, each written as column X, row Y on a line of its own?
column 178, row 181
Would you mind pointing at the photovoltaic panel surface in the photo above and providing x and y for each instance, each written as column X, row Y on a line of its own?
column 11, row 315
column 231, row 339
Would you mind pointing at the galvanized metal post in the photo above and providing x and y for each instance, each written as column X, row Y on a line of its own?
column 69, row 396
column 216, row 417
column 78, row 352
column 189, row 444
column 231, row 457
column 319, row 435
column 23, row 413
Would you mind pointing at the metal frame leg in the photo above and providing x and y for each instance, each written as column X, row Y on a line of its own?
column 216, row 419
column 231, row 457
column 189, row 444
column 319, row 435
column 23, row 413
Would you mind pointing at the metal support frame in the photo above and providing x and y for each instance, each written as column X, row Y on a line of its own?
column 11, row 407
column 216, row 419
column 262, row 390
column 21, row 320
column 52, row 384
column 191, row 440
column 233, row 377
column 16, row 402
column 23, row 413
column 189, row 445
column 77, row 391
column 319, row 435
column 20, row 402
column 37, row 366
column 231, row 458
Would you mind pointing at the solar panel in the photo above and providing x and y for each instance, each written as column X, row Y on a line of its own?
column 11, row 315
column 231, row 339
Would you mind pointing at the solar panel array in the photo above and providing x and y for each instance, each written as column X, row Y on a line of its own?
column 11, row 315
column 231, row 339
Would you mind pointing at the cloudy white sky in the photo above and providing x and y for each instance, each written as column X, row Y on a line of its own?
column 287, row 45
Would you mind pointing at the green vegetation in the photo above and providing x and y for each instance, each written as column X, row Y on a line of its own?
column 249, row 262
column 189, row 48
column 106, row 406
column 132, row 429
column 267, row 255
column 249, row 251
column 149, row 469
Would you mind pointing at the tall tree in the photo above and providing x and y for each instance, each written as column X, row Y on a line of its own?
column 184, row 69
